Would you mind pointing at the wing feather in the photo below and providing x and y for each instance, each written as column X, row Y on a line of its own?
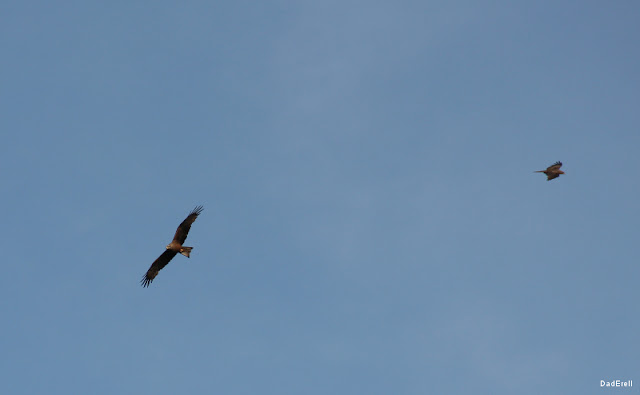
column 183, row 229
column 156, row 266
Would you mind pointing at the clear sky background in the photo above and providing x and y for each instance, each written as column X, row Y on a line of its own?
column 372, row 221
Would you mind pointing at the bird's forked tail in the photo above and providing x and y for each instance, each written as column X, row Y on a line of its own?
column 186, row 251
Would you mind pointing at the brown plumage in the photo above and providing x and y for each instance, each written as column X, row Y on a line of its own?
column 173, row 248
column 552, row 171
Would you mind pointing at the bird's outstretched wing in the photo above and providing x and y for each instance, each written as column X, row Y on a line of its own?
column 156, row 266
column 551, row 176
column 555, row 167
column 183, row 229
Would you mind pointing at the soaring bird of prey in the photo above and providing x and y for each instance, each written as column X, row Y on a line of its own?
column 173, row 248
column 552, row 171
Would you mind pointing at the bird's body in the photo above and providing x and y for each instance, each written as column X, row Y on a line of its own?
column 173, row 248
column 177, row 247
column 552, row 171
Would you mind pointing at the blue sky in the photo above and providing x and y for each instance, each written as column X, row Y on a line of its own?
column 372, row 221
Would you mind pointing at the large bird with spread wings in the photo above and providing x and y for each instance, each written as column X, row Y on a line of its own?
column 173, row 248
column 552, row 171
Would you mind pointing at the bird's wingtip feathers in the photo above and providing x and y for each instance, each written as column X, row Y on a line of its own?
column 146, row 281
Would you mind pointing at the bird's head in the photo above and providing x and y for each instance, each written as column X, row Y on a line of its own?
column 560, row 172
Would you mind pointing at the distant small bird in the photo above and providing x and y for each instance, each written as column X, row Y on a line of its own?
column 173, row 248
column 552, row 171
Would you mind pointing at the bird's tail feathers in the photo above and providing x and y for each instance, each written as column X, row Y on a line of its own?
column 186, row 251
